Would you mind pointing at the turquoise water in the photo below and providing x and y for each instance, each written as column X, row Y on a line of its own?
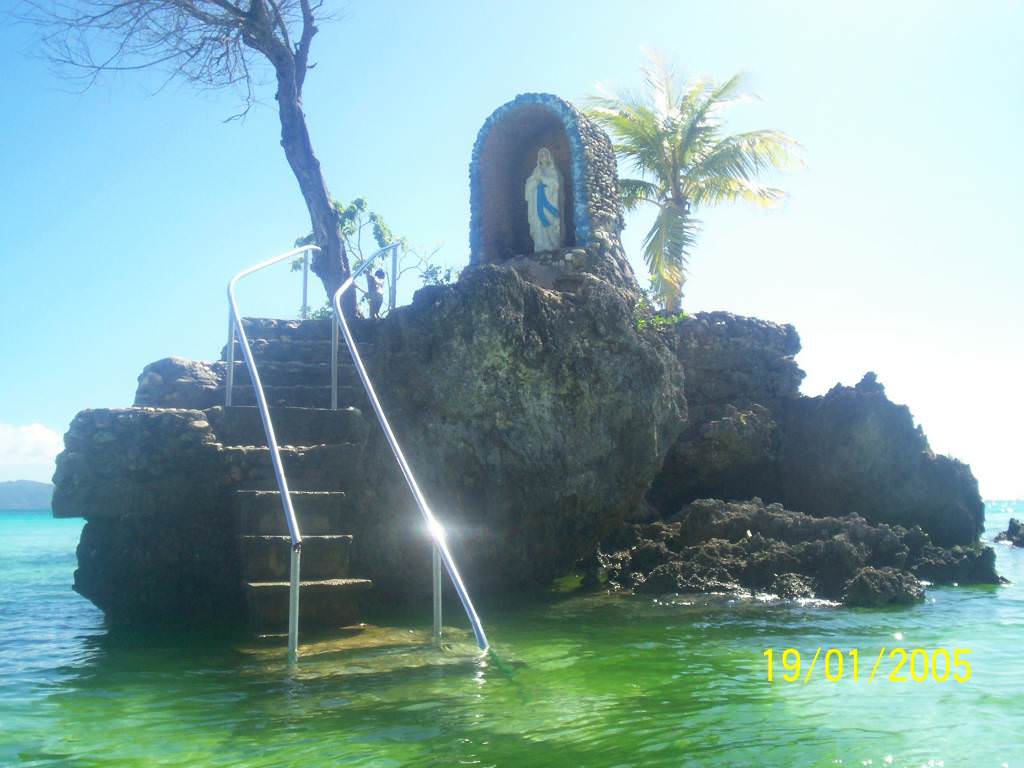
column 581, row 681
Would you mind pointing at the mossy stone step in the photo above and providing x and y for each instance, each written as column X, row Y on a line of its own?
column 317, row 512
column 324, row 603
column 298, row 396
column 308, row 468
column 268, row 558
column 304, row 351
column 287, row 328
column 314, row 329
column 295, row 373
column 242, row 425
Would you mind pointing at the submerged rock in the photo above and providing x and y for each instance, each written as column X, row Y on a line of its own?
column 792, row 586
column 718, row 546
column 877, row 587
column 971, row 564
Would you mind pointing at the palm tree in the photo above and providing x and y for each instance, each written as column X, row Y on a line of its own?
column 673, row 136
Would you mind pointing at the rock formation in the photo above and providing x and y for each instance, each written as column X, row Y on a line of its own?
column 534, row 419
column 854, row 450
column 749, row 547
column 851, row 458
column 159, row 543
column 850, row 451
column 539, row 410
column 1014, row 533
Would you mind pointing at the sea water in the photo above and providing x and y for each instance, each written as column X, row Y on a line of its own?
column 599, row 680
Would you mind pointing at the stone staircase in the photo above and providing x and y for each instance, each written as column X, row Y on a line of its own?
column 320, row 450
column 293, row 358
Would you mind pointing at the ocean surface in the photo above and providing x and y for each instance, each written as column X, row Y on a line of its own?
column 579, row 681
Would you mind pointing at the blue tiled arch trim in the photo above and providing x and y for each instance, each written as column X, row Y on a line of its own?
column 586, row 141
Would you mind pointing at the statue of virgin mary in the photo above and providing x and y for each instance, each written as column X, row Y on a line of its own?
column 544, row 199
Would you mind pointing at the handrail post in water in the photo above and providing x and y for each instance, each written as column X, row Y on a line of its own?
column 438, row 586
column 434, row 528
column 294, row 583
column 275, row 450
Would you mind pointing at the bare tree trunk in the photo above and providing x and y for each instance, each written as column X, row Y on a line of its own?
column 209, row 42
column 331, row 264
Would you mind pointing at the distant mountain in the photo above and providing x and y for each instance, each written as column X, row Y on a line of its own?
column 25, row 494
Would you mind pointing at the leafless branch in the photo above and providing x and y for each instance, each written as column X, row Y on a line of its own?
column 208, row 43
column 302, row 51
column 280, row 25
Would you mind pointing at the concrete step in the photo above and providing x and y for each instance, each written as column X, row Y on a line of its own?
column 242, row 425
column 303, row 330
column 327, row 603
column 292, row 373
column 298, row 397
column 308, row 468
column 318, row 512
column 302, row 350
column 268, row 558
column 283, row 328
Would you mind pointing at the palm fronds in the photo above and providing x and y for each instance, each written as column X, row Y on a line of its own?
column 672, row 136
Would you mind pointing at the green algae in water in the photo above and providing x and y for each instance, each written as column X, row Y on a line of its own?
column 578, row 681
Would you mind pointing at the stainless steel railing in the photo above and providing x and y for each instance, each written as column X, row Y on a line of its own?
column 441, row 553
column 235, row 327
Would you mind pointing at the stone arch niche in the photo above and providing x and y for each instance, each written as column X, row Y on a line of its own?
column 505, row 153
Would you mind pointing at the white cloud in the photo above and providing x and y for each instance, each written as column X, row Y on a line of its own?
column 27, row 451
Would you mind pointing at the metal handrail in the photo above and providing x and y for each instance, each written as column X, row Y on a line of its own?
column 235, row 326
column 393, row 247
column 434, row 528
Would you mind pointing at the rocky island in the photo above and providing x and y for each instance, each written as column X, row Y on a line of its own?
column 551, row 424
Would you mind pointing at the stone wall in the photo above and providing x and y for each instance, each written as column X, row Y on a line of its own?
column 175, row 382
column 159, row 544
column 731, row 360
column 739, row 372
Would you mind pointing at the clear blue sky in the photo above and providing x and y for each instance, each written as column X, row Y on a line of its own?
column 123, row 213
